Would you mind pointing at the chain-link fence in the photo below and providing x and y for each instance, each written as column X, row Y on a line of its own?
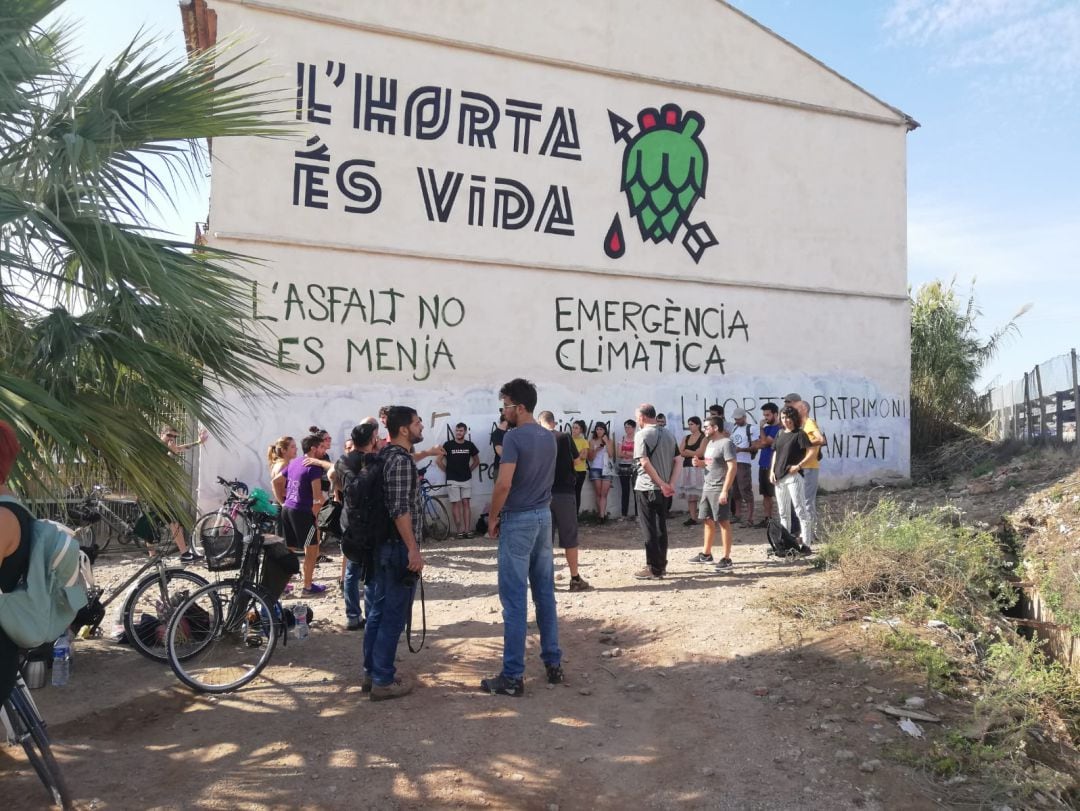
column 1040, row 406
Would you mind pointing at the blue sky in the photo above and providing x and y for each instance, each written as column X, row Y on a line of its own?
column 993, row 172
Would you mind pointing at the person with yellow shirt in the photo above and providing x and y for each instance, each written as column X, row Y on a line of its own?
column 811, row 469
column 581, row 471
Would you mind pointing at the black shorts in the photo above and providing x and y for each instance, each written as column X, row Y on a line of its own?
column 766, row 487
column 299, row 526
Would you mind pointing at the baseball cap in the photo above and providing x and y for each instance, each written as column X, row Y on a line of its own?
column 793, row 397
column 740, row 413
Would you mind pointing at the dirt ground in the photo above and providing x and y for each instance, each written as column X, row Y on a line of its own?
column 682, row 693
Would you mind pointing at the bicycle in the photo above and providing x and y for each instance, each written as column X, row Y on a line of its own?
column 147, row 609
column 436, row 518
column 225, row 520
column 24, row 726
column 93, row 509
column 223, row 635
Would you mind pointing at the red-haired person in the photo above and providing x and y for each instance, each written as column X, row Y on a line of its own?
column 15, row 524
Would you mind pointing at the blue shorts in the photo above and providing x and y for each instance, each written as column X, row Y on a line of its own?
column 597, row 474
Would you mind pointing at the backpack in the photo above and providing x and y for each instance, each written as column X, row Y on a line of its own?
column 749, row 442
column 329, row 519
column 781, row 542
column 365, row 521
column 46, row 601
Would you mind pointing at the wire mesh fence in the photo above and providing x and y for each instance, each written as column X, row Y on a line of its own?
column 1040, row 406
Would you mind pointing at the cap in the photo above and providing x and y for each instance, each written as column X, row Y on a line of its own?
column 792, row 398
column 740, row 413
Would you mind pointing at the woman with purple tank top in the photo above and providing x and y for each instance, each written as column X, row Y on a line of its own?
column 303, row 498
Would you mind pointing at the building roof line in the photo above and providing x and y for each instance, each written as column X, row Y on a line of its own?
column 375, row 28
column 910, row 122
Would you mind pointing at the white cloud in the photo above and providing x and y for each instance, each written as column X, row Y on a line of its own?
column 1037, row 41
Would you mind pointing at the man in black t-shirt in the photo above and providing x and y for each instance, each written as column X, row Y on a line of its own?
column 496, row 444
column 461, row 459
column 564, row 500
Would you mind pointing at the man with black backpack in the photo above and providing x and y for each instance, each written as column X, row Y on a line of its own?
column 364, row 440
column 384, row 519
column 744, row 435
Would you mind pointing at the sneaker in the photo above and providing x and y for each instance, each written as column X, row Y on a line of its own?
column 689, row 522
column 355, row 623
column 647, row 574
column 396, row 689
column 461, row 536
column 805, row 550
column 190, row 556
column 701, row 557
column 725, row 563
column 324, row 559
column 762, row 524
column 579, row 584
column 555, row 674
column 502, row 686
column 316, row 588
column 365, row 683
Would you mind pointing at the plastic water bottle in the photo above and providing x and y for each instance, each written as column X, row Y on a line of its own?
column 300, row 613
column 61, row 660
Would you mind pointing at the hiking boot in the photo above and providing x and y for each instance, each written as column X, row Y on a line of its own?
column 365, row 683
column 555, row 674
column 579, row 584
column 647, row 574
column 701, row 557
column 396, row 689
column 503, row 686
column 724, row 563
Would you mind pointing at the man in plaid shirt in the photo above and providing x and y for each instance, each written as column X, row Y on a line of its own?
column 398, row 561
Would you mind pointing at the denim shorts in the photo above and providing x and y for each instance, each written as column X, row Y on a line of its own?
column 597, row 474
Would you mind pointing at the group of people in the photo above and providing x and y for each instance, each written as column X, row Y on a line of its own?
column 713, row 469
column 539, row 474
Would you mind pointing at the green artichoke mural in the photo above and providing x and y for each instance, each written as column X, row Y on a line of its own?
column 665, row 169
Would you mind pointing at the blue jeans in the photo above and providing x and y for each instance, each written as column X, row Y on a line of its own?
column 389, row 604
column 525, row 559
column 351, row 589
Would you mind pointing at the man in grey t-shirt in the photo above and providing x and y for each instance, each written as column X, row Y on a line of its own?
column 520, row 517
column 713, row 509
column 656, row 453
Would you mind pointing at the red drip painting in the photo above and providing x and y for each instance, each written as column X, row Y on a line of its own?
column 614, row 243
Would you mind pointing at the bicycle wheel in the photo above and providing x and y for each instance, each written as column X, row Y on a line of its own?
column 221, row 637
column 29, row 729
column 436, row 520
column 212, row 533
column 148, row 608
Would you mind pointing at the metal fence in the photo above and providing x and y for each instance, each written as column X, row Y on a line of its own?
column 1041, row 406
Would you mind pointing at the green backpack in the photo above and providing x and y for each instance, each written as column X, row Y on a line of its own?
column 44, row 604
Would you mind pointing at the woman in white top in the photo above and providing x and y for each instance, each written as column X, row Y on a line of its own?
column 601, row 455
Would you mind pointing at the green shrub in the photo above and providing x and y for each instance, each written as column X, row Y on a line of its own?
column 924, row 563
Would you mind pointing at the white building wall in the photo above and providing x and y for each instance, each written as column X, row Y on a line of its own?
column 804, row 288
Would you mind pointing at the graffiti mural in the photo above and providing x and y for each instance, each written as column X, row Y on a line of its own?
column 665, row 168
